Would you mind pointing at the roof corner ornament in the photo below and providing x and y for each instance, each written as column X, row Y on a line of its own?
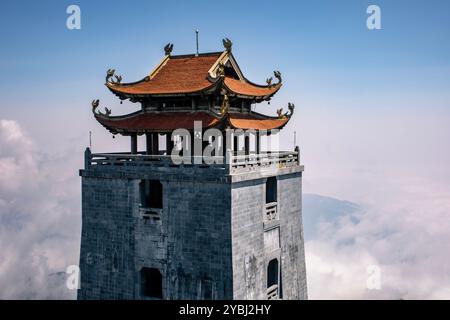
column 269, row 82
column 288, row 114
column 110, row 76
column 277, row 75
column 168, row 49
column 225, row 107
column 95, row 103
column 227, row 44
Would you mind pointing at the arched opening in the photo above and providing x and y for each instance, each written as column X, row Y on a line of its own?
column 273, row 279
column 151, row 283
column 272, row 273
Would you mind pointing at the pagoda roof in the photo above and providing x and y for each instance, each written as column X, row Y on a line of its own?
column 194, row 74
column 174, row 75
column 143, row 122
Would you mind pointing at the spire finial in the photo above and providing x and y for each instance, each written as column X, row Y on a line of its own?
column 196, row 41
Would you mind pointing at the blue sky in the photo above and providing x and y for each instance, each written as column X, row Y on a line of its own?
column 50, row 72
column 372, row 119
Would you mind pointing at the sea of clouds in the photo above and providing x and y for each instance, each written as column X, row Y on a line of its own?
column 402, row 227
column 39, row 218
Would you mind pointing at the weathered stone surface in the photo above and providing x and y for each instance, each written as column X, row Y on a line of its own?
column 208, row 243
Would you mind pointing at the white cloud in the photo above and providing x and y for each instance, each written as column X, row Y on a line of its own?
column 401, row 224
column 39, row 218
column 406, row 235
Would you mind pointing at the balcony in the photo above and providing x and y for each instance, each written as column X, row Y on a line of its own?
column 232, row 164
column 271, row 212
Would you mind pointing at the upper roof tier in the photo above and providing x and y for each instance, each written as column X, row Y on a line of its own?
column 194, row 75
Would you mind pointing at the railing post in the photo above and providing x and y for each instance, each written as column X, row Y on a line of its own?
column 87, row 158
column 297, row 150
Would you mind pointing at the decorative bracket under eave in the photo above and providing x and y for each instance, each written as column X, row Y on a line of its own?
column 225, row 107
column 288, row 114
column 95, row 104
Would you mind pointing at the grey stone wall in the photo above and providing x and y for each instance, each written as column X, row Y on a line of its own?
column 255, row 243
column 293, row 267
column 107, row 239
column 210, row 238
column 190, row 244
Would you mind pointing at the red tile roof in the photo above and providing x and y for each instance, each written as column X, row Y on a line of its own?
column 141, row 122
column 249, row 89
column 179, row 74
column 168, row 121
column 189, row 74
column 249, row 121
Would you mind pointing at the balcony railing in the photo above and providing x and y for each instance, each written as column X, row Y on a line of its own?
column 231, row 163
column 271, row 212
column 272, row 292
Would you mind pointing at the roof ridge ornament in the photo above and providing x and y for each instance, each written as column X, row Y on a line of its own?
column 168, row 49
column 95, row 103
column 288, row 114
column 110, row 75
column 227, row 44
column 277, row 75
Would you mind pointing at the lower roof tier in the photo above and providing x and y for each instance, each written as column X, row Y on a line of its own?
column 144, row 122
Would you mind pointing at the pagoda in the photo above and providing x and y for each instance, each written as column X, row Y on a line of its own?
column 154, row 228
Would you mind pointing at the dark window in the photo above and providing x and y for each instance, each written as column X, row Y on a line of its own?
column 151, row 194
column 272, row 273
column 151, row 280
column 271, row 190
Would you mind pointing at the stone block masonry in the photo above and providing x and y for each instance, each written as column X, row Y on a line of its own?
column 208, row 241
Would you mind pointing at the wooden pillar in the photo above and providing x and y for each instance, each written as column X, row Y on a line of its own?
column 257, row 142
column 155, row 143
column 148, row 142
column 247, row 144
column 134, row 146
column 235, row 144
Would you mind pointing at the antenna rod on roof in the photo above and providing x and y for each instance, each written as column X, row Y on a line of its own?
column 196, row 40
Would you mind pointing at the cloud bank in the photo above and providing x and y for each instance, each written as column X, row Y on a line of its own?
column 401, row 226
column 39, row 218
column 407, row 237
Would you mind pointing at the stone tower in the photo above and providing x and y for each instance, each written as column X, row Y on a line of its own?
column 209, row 210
